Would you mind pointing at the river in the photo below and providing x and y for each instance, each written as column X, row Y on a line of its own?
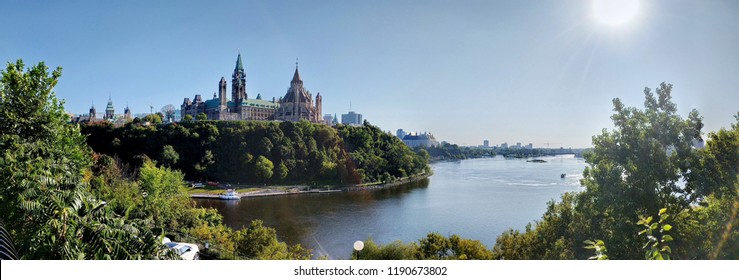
column 475, row 198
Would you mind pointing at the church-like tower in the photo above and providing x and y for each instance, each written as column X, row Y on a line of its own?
column 297, row 104
column 109, row 111
column 127, row 113
column 238, row 84
column 92, row 113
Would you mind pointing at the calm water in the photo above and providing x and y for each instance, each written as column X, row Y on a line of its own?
column 477, row 199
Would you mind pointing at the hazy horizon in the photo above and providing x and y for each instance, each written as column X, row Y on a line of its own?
column 505, row 71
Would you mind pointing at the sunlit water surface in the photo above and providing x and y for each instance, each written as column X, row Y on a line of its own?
column 476, row 199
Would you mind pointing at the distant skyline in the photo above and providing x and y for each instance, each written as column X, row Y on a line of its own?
column 467, row 71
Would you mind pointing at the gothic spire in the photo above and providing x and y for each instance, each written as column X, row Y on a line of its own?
column 296, row 76
column 239, row 65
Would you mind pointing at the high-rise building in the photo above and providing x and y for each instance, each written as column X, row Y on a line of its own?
column 351, row 118
column 486, row 143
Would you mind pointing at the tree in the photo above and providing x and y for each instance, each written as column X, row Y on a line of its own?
column 635, row 170
column 264, row 168
column 260, row 242
column 168, row 112
column 43, row 194
column 165, row 199
column 282, row 171
column 187, row 118
column 434, row 246
column 153, row 118
column 201, row 117
column 169, row 157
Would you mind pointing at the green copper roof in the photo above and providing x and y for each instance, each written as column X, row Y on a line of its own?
column 110, row 105
column 259, row 103
column 239, row 65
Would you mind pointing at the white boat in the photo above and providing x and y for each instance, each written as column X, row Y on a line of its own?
column 230, row 194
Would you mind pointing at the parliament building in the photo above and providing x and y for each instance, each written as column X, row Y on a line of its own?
column 296, row 105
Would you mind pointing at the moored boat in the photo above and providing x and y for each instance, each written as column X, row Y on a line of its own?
column 230, row 194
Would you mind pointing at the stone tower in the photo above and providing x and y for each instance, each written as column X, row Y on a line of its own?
column 127, row 113
column 109, row 111
column 92, row 113
column 222, row 93
column 319, row 104
column 238, row 84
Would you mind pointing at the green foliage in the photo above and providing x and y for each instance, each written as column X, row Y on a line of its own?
column 645, row 164
column 392, row 251
column 153, row 118
column 169, row 156
column 448, row 151
column 239, row 151
column 187, row 118
column 44, row 197
column 432, row 247
column 260, row 242
column 657, row 236
column 264, row 168
column 219, row 237
column 201, row 117
column 600, row 249
column 378, row 156
column 165, row 198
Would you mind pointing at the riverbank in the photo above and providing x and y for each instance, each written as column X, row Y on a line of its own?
column 252, row 191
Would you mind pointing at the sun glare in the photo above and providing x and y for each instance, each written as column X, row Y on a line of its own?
column 615, row 12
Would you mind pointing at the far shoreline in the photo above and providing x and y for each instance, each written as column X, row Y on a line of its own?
column 260, row 191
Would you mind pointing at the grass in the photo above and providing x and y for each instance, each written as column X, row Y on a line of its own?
column 217, row 190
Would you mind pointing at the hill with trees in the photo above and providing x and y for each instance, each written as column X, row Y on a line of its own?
column 261, row 152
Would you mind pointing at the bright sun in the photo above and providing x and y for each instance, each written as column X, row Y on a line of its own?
column 615, row 12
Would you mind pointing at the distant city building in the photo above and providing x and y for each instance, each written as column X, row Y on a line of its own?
column 109, row 116
column 177, row 115
column 504, row 145
column 518, row 145
column 530, row 146
column 400, row 133
column 420, row 140
column 351, row 118
column 328, row 119
column 89, row 118
column 486, row 143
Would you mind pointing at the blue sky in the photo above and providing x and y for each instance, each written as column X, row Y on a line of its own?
column 507, row 71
